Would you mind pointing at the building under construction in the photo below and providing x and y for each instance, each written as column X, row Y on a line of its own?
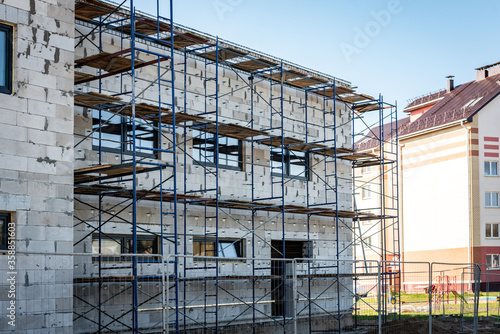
column 162, row 179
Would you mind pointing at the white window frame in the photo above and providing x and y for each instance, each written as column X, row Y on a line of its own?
column 6, row 84
column 488, row 199
column 218, row 250
column 491, row 264
column 366, row 192
column 490, row 164
column 490, row 229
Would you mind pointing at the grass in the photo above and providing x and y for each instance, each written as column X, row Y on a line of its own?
column 420, row 301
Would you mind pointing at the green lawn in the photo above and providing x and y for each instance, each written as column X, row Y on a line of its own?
column 416, row 305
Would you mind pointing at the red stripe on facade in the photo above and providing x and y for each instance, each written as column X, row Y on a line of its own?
column 474, row 130
column 491, row 147
column 474, row 153
column 495, row 139
column 491, row 155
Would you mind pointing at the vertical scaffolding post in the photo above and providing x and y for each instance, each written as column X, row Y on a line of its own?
column 135, row 317
column 336, row 207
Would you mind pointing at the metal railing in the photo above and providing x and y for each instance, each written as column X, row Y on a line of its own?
column 233, row 295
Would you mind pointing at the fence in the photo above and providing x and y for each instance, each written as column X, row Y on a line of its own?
column 82, row 293
column 88, row 293
column 489, row 300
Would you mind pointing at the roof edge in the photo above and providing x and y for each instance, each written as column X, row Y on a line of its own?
column 422, row 104
column 470, row 118
column 442, row 126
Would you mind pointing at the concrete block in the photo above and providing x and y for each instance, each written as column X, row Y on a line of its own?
column 65, row 168
column 41, row 108
column 40, row 246
column 10, row 202
column 59, row 233
column 23, row 17
column 48, row 189
column 2, row 12
column 11, row 14
column 31, row 232
column 60, row 153
column 60, row 125
column 38, row 203
column 59, row 205
column 61, row 179
column 13, row 132
column 31, row 121
column 33, row 92
column 42, row 137
column 15, row 187
column 42, row 165
column 13, row 162
column 42, row 80
column 64, row 246
column 64, row 140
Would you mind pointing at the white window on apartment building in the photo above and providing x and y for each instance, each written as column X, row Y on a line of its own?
column 367, row 193
column 491, row 199
column 492, row 261
column 367, row 241
column 491, row 168
column 366, row 170
column 492, row 231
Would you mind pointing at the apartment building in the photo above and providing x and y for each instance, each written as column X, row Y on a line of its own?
column 448, row 161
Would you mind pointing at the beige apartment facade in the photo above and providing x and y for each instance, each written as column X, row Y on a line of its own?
column 448, row 175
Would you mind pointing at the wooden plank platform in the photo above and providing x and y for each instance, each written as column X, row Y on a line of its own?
column 87, row 10
column 119, row 70
column 306, row 82
column 151, row 113
column 232, row 130
column 364, row 107
column 287, row 75
column 120, row 279
column 146, row 26
column 254, row 65
column 353, row 98
column 276, row 141
column 91, row 174
column 239, row 204
column 224, row 54
column 93, row 99
column 109, row 62
column 183, row 40
column 328, row 92
column 80, row 76
column 96, row 189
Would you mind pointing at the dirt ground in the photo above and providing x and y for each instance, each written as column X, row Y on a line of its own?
column 439, row 326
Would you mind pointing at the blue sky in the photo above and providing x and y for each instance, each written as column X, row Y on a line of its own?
column 399, row 48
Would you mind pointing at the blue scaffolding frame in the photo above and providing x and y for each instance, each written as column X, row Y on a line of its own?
column 275, row 75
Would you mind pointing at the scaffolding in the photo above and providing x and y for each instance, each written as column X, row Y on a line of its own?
column 379, row 136
column 160, row 109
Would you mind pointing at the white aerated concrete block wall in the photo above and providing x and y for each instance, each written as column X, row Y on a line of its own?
column 36, row 162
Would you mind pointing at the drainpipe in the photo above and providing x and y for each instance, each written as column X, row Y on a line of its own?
column 469, row 183
column 401, row 201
